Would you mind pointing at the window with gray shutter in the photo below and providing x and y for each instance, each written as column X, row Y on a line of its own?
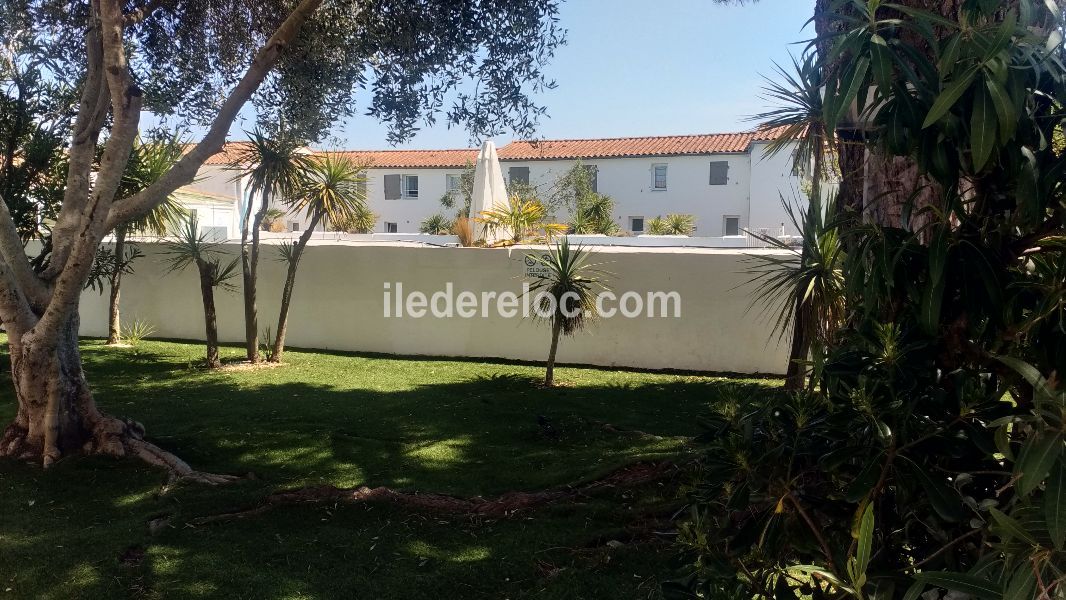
column 719, row 172
column 593, row 172
column 392, row 187
column 518, row 174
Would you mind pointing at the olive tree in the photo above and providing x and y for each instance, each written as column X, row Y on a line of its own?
column 204, row 60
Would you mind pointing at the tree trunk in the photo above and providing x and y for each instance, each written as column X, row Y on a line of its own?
column 799, row 350
column 549, row 373
column 286, row 293
column 801, row 336
column 207, row 290
column 249, row 266
column 57, row 415
column 114, row 324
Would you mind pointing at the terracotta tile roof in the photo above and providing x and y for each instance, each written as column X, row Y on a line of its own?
column 230, row 152
column 667, row 145
column 413, row 159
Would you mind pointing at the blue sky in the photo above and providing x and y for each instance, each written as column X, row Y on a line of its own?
column 633, row 67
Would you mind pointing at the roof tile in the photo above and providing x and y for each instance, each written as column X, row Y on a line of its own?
column 670, row 145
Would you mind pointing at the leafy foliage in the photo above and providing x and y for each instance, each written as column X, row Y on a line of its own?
column 929, row 450
column 672, row 224
column 520, row 221
column 436, row 225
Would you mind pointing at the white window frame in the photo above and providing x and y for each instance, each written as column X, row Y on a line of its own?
column 643, row 224
column 395, row 227
column 405, row 192
column 449, row 178
column 666, row 177
column 725, row 225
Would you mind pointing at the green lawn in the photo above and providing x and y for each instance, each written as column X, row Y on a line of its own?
column 447, row 426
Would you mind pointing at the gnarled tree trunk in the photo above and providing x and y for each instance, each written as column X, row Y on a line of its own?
column 56, row 414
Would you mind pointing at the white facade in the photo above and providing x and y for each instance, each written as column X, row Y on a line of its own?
column 406, row 213
column 727, row 193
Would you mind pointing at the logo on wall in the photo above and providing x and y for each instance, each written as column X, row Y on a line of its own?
column 535, row 268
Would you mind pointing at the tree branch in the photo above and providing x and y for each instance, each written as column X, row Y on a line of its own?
column 92, row 110
column 14, row 254
column 126, row 111
column 184, row 171
column 143, row 11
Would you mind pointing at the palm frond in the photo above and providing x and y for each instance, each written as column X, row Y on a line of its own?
column 571, row 282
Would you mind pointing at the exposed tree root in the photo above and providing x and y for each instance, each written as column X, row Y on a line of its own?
column 500, row 506
column 609, row 428
column 110, row 436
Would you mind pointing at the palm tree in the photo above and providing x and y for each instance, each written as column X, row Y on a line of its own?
column 147, row 163
column 273, row 168
column 332, row 188
column 192, row 248
column 800, row 116
column 521, row 221
column 567, row 294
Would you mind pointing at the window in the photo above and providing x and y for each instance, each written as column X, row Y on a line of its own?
column 636, row 224
column 719, row 172
column 410, row 186
column 658, row 177
column 518, row 175
column 390, row 227
column 453, row 183
column 732, row 226
column 294, row 226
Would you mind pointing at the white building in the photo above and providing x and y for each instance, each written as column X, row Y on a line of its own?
column 728, row 182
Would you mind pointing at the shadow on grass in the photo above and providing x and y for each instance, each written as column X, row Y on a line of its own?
column 458, row 427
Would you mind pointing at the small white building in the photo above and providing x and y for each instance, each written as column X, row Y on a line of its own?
column 728, row 181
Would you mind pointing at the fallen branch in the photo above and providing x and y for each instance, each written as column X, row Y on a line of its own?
column 500, row 506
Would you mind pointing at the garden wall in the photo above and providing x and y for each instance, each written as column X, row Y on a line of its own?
column 339, row 304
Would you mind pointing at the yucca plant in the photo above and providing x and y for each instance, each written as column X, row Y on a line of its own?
column 594, row 214
column 800, row 115
column 436, row 225
column 136, row 332
column 672, row 224
column 189, row 247
column 149, row 160
column 361, row 221
column 521, row 221
column 567, row 294
column 803, row 289
column 274, row 168
column 331, row 189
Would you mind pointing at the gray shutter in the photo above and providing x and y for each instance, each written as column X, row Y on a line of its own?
column 392, row 187
column 719, row 172
column 360, row 187
column 594, row 173
column 518, row 174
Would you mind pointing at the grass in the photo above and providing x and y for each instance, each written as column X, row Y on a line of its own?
column 80, row 530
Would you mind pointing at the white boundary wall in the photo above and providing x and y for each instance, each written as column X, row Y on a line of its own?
column 339, row 304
